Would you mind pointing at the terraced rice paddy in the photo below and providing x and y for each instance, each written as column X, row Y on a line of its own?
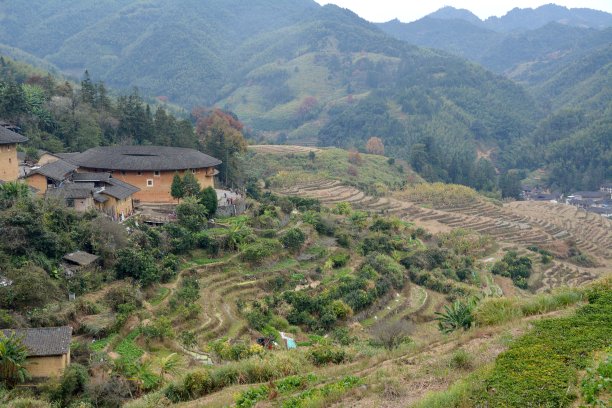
column 517, row 223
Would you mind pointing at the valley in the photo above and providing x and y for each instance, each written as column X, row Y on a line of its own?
column 257, row 204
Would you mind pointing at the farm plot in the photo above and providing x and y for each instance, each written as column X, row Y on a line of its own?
column 560, row 274
column 591, row 232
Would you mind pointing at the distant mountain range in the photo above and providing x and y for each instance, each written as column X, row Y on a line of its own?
column 519, row 42
column 303, row 73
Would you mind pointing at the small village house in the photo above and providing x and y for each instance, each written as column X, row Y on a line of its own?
column 111, row 196
column 48, row 349
column 78, row 261
column 9, row 162
column 83, row 191
column 50, row 175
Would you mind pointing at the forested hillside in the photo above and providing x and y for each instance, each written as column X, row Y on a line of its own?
column 296, row 72
column 520, row 44
column 562, row 58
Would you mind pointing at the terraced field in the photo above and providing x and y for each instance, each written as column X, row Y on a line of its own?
column 221, row 286
column 282, row 149
column 591, row 232
column 518, row 223
column 560, row 274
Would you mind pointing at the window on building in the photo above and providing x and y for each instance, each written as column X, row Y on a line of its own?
column 193, row 171
column 156, row 173
column 70, row 202
column 149, row 183
column 123, row 172
column 140, row 173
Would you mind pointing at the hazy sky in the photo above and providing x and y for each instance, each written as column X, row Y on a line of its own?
column 410, row 10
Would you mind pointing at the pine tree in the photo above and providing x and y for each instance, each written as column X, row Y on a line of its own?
column 191, row 187
column 176, row 189
column 88, row 90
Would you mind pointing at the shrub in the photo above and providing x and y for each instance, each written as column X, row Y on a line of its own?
column 388, row 268
column 254, row 370
column 339, row 259
column 323, row 354
column 259, row 250
column 518, row 268
column 391, row 334
column 343, row 208
column 583, row 260
column 208, row 198
column 343, row 239
column 72, row 383
column 192, row 215
column 235, row 352
column 494, row 311
column 322, row 225
column 461, row 360
column 124, row 296
column 28, row 403
column 137, row 264
column 293, row 239
column 159, row 329
column 456, row 316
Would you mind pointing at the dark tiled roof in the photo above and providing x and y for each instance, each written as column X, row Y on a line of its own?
column 9, row 137
column 81, row 258
column 92, row 177
column 144, row 158
column 590, row 194
column 45, row 341
column 99, row 198
column 57, row 170
column 66, row 156
column 72, row 190
column 119, row 189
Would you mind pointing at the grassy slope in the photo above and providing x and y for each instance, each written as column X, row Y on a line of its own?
column 331, row 163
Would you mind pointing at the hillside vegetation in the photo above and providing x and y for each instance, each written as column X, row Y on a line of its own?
column 298, row 73
column 413, row 293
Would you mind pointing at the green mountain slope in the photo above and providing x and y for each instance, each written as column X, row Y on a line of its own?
column 298, row 72
column 525, row 55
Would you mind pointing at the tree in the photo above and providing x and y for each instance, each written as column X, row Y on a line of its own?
column 312, row 155
column 191, row 187
column 375, row 146
column 88, row 90
column 483, row 175
column 355, row 158
column 32, row 287
column 137, row 264
column 13, row 356
column 177, row 189
column 391, row 334
column 293, row 239
column 191, row 214
column 208, row 198
column 510, row 184
column 12, row 100
column 221, row 135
